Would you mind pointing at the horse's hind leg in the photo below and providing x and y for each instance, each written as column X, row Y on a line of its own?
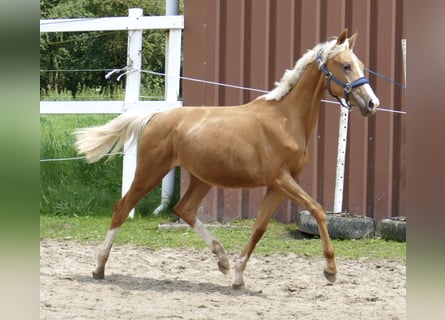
column 187, row 209
column 121, row 211
column 104, row 252
column 144, row 181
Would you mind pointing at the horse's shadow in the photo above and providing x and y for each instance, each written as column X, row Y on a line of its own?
column 129, row 282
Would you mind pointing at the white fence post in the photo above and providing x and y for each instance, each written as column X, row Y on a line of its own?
column 404, row 59
column 341, row 158
column 171, row 92
column 132, row 92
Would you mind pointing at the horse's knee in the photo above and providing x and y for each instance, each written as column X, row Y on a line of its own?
column 329, row 253
column 186, row 213
column 318, row 212
column 320, row 217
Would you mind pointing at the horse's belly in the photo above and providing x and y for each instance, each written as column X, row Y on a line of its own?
column 225, row 169
column 227, row 179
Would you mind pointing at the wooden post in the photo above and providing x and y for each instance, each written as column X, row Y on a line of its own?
column 132, row 92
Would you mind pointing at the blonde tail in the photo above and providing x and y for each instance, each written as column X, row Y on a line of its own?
column 96, row 142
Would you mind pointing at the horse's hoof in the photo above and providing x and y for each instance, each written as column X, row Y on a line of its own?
column 331, row 277
column 238, row 286
column 98, row 275
column 224, row 265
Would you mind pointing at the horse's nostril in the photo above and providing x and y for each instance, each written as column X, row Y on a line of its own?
column 371, row 105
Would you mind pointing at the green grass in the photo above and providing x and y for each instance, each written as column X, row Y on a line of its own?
column 279, row 238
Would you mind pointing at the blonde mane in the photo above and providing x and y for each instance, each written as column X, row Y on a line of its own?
column 290, row 78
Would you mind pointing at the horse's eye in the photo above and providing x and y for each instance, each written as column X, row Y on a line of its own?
column 347, row 67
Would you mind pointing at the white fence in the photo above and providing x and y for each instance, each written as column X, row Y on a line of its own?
column 135, row 23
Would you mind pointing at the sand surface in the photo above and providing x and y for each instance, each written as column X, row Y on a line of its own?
column 185, row 284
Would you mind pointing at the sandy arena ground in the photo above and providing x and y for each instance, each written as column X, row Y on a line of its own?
column 186, row 284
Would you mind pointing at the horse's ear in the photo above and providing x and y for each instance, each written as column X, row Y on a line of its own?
column 342, row 36
column 352, row 40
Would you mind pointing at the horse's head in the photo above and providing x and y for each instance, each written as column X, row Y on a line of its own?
column 345, row 78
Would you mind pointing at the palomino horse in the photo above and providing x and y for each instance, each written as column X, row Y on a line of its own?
column 261, row 143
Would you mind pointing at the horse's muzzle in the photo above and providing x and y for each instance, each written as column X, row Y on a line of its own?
column 372, row 107
column 367, row 107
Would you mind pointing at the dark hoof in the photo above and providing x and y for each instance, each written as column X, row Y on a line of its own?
column 237, row 286
column 331, row 277
column 224, row 266
column 98, row 275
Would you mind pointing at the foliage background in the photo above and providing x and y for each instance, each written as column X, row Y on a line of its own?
column 99, row 51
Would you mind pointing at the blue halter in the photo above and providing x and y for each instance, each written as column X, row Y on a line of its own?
column 347, row 87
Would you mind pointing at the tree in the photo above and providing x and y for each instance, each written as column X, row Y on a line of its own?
column 95, row 50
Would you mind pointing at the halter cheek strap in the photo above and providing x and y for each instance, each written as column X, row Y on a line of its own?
column 347, row 87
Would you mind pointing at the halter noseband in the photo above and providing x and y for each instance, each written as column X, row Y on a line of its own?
column 347, row 87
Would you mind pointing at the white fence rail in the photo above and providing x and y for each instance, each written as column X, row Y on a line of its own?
column 80, row 107
column 112, row 23
column 135, row 23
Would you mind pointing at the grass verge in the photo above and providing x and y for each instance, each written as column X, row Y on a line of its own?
column 279, row 238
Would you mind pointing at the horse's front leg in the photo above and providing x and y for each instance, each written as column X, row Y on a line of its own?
column 295, row 193
column 187, row 208
column 270, row 202
column 214, row 245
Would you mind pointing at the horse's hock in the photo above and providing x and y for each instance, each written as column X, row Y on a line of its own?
column 340, row 225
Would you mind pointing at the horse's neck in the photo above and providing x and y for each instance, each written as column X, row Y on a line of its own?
column 303, row 100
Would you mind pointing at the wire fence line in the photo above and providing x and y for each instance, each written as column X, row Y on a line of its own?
column 380, row 75
column 126, row 70
column 78, row 158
